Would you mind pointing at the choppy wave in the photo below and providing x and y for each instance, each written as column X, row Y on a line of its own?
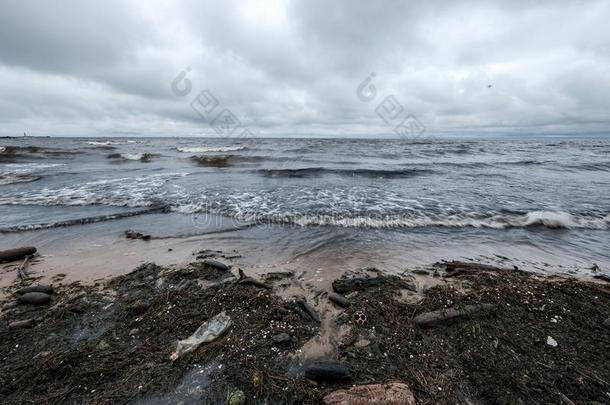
column 319, row 171
column 24, row 172
column 14, row 178
column 143, row 157
column 205, row 149
column 141, row 191
column 82, row 221
column 543, row 219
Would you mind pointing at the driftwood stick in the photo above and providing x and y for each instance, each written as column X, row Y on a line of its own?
column 243, row 279
column 21, row 268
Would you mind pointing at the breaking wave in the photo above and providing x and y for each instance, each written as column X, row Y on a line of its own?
column 24, row 172
column 6, row 179
column 319, row 171
column 141, row 191
column 204, row 149
column 82, row 221
column 143, row 157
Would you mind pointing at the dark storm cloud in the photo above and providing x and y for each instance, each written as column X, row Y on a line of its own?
column 292, row 67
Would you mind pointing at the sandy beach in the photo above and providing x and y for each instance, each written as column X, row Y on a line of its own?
column 448, row 332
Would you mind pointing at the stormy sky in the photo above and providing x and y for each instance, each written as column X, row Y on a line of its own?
column 293, row 68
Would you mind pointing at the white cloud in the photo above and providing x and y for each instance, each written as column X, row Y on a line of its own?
column 292, row 67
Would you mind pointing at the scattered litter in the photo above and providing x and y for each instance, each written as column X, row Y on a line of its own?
column 207, row 332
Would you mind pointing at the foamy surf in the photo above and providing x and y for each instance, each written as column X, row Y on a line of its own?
column 208, row 149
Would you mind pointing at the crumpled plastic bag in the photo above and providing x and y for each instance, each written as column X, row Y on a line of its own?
column 209, row 331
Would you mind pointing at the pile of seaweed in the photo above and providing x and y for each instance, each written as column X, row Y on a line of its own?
column 544, row 340
column 538, row 339
column 109, row 344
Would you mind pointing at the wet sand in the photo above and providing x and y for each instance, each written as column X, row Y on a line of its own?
column 316, row 254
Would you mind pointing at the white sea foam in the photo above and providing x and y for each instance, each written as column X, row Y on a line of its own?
column 141, row 191
column 205, row 149
column 134, row 156
column 103, row 143
column 256, row 210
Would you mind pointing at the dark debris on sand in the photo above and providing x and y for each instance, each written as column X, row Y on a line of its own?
column 502, row 358
column 111, row 343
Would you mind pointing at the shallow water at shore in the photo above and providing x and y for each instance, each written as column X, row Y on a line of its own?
column 325, row 204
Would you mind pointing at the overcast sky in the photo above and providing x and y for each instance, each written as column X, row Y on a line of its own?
column 292, row 68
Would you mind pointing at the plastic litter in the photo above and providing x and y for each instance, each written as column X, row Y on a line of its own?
column 209, row 331
column 236, row 397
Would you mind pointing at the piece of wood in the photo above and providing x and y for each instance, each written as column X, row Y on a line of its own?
column 25, row 324
column 21, row 268
column 12, row 255
column 243, row 279
column 452, row 315
column 339, row 299
column 309, row 310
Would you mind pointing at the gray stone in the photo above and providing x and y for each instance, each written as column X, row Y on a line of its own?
column 327, row 370
column 47, row 289
column 34, row 298
column 216, row 264
column 282, row 339
column 339, row 299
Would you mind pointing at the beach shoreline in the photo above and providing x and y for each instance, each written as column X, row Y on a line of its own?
column 135, row 319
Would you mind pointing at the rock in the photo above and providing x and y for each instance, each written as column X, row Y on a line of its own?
column 131, row 234
column 421, row 272
column 551, row 342
column 282, row 339
column 451, row 315
column 362, row 343
column 134, row 332
column 216, row 264
column 373, row 394
column 326, row 370
column 607, row 323
column 34, row 298
column 47, row 289
column 12, row 255
column 103, row 345
column 25, row 324
column 339, row 299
